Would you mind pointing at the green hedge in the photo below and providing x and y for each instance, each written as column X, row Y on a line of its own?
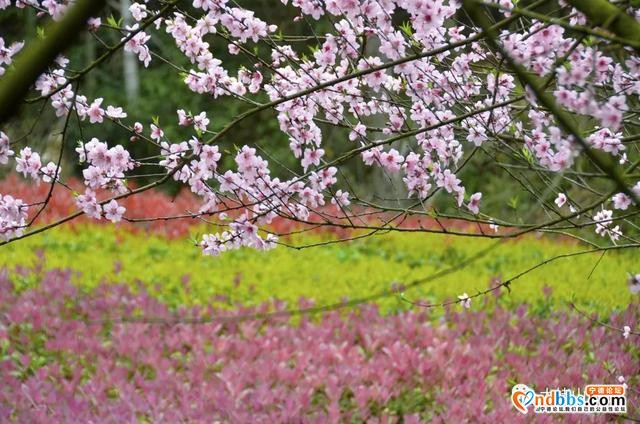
column 177, row 273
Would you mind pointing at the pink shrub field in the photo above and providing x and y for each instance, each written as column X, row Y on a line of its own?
column 306, row 200
column 114, row 356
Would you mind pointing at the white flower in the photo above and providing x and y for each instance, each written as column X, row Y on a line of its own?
column 623, row 159
column 573, row 210
column 634, row 283
column 465, row 300
column 604, row 227
column 626, row 332
column 115, row 112
column 621, row 380
column 561, row 199
column 494, row 226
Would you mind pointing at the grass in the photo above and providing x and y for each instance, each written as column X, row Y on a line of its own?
column 175, row 271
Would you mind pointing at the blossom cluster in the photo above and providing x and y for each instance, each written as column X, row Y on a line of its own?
column 13, row 217
column 7, row 53
column 428, row 89
column 340, row 367
column 144, row 208
column 5, row 149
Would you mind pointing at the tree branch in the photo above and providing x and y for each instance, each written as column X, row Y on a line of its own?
column 604, row 14
column 35, row 60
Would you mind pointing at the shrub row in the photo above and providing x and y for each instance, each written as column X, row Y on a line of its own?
column 63, row 358
column 175, row 272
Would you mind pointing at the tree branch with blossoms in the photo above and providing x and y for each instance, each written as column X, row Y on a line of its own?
column 392, row 113
column 39, row 57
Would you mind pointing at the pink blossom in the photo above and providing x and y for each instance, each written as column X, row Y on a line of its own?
column 5, row 149
column 610, row 118
column 95, row 112
column 50, row 172
column 341, row 199
column 621, row 201
column 184, row 119
column 13, row 217
column 474, row 203
column 138, row 11
column 256, row 82
column 360, row 130
column 391, row 160
column 448, row 181
column 89, row 205
column 201, row 121
column 312, row 157
column 28, row 163
column 137, row 45
column 94, row 24
column 156, row 133
column 112, row 211
column 477, row 135
column 115, row 112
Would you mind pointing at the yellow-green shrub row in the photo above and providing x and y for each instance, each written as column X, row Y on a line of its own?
column 177, row 273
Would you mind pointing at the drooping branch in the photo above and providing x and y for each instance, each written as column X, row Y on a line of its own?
column 604, row 14
column 31, row 63
column 603, row 162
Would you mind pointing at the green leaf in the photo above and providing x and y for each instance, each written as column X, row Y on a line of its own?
column 407, row 29
column 528, row 155
column 111, row 21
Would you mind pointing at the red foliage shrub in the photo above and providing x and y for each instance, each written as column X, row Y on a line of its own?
column 69, row 357
column 154, row 205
